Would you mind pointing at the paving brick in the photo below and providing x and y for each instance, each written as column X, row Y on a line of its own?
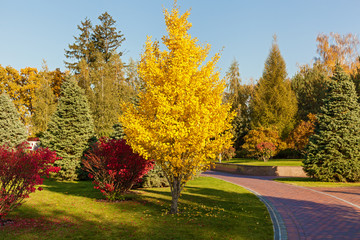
column 307, row 214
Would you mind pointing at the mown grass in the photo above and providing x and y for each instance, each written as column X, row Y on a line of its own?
column 271, row 162
column 309, row 182
column 210, row 209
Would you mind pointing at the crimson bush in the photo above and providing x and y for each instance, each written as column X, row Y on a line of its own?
column 265, row 150
column 114, row 167
column 20, row 171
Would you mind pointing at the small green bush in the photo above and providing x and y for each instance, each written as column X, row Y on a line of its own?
column 154, row 178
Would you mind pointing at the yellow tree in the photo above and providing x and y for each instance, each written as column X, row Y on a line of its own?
column 180, row 121
column 336, row 48
column 20, row 86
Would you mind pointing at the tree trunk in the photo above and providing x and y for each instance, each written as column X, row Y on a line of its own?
column 175, row 193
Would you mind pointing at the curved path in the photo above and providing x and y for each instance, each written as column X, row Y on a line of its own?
column 304, row 213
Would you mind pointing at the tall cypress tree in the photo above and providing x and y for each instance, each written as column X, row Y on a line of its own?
column 69, row 130
column 274, row 103
column 12, row 130
column 333, row 153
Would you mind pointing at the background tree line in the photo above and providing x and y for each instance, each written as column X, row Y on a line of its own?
column 282, row 110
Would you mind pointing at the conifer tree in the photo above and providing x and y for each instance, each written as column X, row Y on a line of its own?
column 333, row 153
column 238, row 96
column 106, row 38
column 100, row 71
column 273, row 102
column 12, row 130
column 103, row 38
column 83, row 48
column 69, row 130
column 309, row 85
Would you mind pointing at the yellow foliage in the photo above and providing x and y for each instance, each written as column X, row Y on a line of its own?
column 336, row 48
column 261, row 135
column 20, row 86
column 180, row 120
column 299, row 137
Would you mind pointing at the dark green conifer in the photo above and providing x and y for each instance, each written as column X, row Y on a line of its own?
column 309, row 85
column 70, row 129
column 106, row 38
column 333, row 153
column 103, row 38
column 83, row 48
column 12, row 130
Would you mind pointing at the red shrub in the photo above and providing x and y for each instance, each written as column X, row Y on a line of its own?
column 265, row 150
column 20, row 171
column 114, row 167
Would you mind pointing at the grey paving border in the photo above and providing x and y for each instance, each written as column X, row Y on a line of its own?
column 279, row 227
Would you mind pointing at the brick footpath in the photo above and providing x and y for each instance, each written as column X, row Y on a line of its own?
column 307, row 213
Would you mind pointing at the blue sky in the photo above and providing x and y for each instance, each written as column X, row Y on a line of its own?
column 35, row 30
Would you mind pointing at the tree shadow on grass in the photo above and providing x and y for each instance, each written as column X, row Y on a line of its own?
column 80, row 188
column 59, row 224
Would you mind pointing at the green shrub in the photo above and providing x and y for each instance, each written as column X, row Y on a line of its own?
column 154, row 178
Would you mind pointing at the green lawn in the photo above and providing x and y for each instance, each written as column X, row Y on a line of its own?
column 308, row 182
column 271, row 162
column 210, row 209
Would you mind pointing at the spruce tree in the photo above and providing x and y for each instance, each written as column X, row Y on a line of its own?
column 69, row 130
column 12, row 130
column 273, row 102
column 309, row 85
column 333, row 152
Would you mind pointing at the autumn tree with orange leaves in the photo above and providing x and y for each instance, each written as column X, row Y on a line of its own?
column 335, row 48
column 23, row 89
